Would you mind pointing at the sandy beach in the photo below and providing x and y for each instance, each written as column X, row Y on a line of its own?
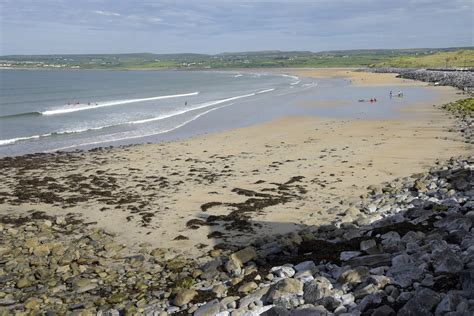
column 232, row 186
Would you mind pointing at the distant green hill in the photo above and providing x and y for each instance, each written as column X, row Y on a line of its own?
column 459, row 58
column 410, row 58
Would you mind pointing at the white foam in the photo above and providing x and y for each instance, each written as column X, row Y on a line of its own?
column 158, row 118
column 265, row 91
column 141, row 136
column 200, row 106
column 14, row 140
column 83, row 107
column 295, row 83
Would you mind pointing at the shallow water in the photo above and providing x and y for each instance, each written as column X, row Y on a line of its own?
column 48, row 110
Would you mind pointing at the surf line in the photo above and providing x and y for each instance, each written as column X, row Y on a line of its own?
column 112, row 103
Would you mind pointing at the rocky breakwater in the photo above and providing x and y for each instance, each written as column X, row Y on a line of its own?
column 463, row 80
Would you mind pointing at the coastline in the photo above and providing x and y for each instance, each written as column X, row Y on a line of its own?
column 168, row 185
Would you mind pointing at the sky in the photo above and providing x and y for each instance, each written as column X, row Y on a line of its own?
column 215, row 26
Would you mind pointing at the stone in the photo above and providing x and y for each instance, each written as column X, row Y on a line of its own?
column 283, row 288
column 370, row 260
column 366, row 245
column 354, row 276
column 422, row 303
column 23, row 282
column 243, row 256
column 306, row 266
column 233, row 268
column 283, row 271
column 448, row 262
column 404, row 270
column 317, row 289
column 219, row 289
column 6, row 301
column 41, row 250
column 383, row 310
column 209, row 309
column 448, row 303
column 256, row 296
column 276, row 311
column 310, row 311
column 346, row 255
column 184, row 296
column 248, row 287
column 32, row 303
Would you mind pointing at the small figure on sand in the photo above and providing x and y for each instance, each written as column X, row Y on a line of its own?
column 400, row 94
column 185, row 103
column 390, row 94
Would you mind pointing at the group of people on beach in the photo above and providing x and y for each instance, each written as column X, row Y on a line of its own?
column 399, row 94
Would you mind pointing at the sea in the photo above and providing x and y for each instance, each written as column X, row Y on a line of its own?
column 66, row 110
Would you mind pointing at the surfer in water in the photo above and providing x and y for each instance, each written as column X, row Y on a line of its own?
column 185, row 103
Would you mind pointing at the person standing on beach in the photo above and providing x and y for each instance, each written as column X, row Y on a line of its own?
column 390, row 94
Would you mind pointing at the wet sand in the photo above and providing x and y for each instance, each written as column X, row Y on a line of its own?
column 221, row 188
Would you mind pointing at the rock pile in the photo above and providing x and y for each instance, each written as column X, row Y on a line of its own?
column 463, row 80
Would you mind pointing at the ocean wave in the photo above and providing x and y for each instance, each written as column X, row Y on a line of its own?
column 158, row 118
column 83, row 107
column 265, row 91
column 14, row 140
column 200, row 106
column 144, row 135
column 20, row 115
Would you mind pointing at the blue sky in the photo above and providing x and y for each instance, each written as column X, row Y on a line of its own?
column 213, row 26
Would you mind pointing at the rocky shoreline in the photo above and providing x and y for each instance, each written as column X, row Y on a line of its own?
column 406, row 248
column 463, row 80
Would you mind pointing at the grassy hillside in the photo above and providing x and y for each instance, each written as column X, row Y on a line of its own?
column 461, row 58
column 403, row 58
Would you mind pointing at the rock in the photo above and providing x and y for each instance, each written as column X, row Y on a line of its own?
column 209, row 309
column 6, row 301
column 285, row 287
column 276, row 311
column 383, row 310
column 467, row 282
column 354, row 276
column 370, row 260
column 283, row 271
column 311, row 311
column 248, row 287
column 367, row 245
column 448, row 303
column 41, row 250
column 32, row 303
column 447, row 262
column 184, row 297
column 404, row 270
column 219, row 289
column 346, row 255
column 243, row 256
column 254, row 297
column 23, row 282
column 234, row 268
column 317, row 289
column 117, row 298
column 422, row 303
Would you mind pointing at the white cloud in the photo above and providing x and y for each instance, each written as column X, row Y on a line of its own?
column 106, row 13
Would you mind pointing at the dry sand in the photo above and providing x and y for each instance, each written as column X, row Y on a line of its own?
column 265, row 179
